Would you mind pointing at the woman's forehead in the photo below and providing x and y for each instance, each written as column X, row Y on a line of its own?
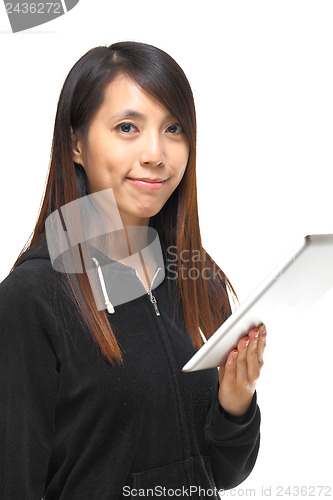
column 125, row 98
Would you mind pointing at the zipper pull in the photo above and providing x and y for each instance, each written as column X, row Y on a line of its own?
column 153, row 301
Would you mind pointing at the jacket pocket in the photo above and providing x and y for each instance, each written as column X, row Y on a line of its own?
column 186, row 479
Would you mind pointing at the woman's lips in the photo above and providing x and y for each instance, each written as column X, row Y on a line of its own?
column 147, row 183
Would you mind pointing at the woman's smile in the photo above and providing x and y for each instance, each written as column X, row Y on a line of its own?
column 145, row 183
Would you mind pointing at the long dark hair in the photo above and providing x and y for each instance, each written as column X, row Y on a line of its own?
column 204, row 300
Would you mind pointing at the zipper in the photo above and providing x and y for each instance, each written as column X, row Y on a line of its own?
column 150, row 294
column 184, row 430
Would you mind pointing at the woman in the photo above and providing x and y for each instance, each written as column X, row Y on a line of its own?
column 93, row 400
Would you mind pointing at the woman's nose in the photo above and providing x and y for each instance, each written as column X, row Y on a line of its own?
column 152, row 150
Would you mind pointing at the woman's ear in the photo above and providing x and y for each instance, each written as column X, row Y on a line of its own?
column 76, row 148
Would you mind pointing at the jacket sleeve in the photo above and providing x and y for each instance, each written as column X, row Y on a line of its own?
column 29, row 377
column 233, row 446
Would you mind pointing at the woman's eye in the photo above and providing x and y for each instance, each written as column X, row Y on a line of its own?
column 174, row 129
column 126, row 128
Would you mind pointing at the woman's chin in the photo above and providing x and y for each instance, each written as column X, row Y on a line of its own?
column 149, row 211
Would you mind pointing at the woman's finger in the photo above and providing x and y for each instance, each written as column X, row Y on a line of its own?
column 242, row 374
column 261, row 345
column 229, row 375
column 252, row 356
column 221, row 373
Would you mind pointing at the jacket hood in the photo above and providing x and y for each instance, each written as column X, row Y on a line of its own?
column 113, row 283
column 38, row 251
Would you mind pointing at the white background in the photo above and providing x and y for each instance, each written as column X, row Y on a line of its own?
column 262, row 77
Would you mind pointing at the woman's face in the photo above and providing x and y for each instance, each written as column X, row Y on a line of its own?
column 134, row 146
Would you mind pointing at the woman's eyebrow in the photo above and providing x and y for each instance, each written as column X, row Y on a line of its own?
column 126, row 113
column 131, row 113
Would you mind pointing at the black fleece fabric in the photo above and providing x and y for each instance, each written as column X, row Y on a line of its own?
column 75, row 427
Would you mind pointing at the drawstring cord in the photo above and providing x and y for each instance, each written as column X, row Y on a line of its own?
column 108, row 304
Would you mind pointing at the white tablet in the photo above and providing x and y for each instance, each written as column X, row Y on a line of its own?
column 292, row 288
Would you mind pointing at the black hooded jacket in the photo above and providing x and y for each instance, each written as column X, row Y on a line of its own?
column 75, row 427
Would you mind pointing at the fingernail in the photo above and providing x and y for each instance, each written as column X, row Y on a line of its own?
column 256, row 333
column 234, row 354
column 246, row 343
column 263, row 330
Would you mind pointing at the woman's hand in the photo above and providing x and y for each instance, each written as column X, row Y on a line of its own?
column 238, row 378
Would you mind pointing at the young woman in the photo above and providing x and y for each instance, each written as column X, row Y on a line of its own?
column 94, row 404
